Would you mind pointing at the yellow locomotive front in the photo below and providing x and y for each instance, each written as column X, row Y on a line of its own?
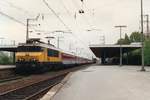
column 29, row 58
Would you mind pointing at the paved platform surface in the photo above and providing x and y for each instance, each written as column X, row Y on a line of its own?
column 6, row 66
column 107, row 83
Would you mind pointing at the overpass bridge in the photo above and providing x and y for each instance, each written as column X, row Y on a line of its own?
column 9, row 48
column 112, row 50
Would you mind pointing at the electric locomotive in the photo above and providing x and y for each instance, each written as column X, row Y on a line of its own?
column 36, row 56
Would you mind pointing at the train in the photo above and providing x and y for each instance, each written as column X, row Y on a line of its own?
column 35, row 56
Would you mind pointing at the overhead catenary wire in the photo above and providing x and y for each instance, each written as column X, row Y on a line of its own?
column 85, row 19
column 68, row 12
column 77, row 26
column 12, row 18
column 71, row 16
column 59, row 18
column 49, row 7
column 17, row 7
column 56, row 14
column 92, row 19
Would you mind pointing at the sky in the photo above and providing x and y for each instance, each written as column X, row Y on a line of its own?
column 100, row 17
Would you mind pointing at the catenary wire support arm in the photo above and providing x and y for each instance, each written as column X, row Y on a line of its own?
column 27, row 30
column 55, row 14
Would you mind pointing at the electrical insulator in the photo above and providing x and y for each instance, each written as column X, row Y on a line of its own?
column 81, row 11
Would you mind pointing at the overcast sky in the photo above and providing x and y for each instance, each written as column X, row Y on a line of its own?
column 102, row 15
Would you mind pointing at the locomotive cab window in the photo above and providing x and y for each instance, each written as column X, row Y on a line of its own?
column 53, row 53
column 30, row 49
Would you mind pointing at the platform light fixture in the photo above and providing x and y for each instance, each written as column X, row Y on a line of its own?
column 120, row 27
column 27, row 26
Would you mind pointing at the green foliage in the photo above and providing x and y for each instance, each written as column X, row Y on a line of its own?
column 135, row 56
column 126, row 40
column 5, row 59
column 120, row 41
column 135, row 37
column 147, row 52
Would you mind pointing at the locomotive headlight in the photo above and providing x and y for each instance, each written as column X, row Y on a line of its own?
column 34, row 59
column 21, row 59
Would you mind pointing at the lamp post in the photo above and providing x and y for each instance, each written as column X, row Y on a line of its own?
column 142, row 38
column 120, row 27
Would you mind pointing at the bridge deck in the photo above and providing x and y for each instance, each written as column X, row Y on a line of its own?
column 10, row 48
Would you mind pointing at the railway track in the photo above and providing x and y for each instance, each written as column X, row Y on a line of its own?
column 14, row 78
column 34, row 86
column 33, row 91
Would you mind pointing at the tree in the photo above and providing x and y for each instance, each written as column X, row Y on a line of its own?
column 147, row 52
column 5, row 59
column 120, row 41
column 135, row 37
column 126, row 40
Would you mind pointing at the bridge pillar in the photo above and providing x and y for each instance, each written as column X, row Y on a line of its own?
column 14, row 58
column 103, row 57
column 127, row 57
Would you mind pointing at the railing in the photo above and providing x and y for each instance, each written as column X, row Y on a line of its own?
column 8, row 46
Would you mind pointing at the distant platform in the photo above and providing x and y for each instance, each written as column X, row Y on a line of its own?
column 106, row 83
column 112, row 50
column 7, row 66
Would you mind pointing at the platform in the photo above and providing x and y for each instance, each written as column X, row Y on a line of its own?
column 106, row 83
column 6, row 71
column 6, row 66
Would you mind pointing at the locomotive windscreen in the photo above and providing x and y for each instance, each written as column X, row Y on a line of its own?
column 29, row 49
column 52, row 53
